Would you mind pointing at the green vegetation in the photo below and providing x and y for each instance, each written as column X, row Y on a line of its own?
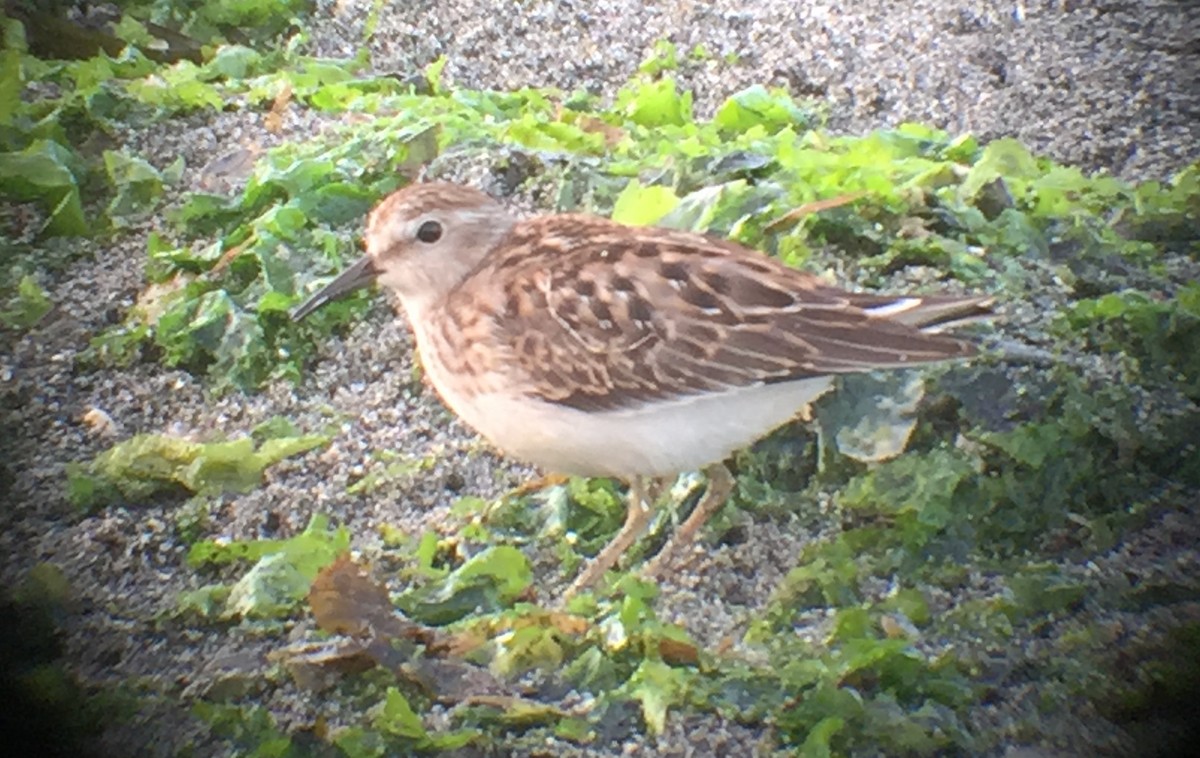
column 149, row 465
column 1009, row 466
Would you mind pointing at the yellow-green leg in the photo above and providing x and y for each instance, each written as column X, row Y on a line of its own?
column 637, row 517
column 720, row 485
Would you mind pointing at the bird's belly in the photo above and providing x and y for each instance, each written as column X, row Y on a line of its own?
column 656, row 439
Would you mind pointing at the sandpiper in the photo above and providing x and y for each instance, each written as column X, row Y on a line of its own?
column 588, row 347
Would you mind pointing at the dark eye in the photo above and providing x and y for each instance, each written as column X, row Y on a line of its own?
column 430, row 231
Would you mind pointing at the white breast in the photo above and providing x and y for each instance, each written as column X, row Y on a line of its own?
column 661, row 439
column 654, row 439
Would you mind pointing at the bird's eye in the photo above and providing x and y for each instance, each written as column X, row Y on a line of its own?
column 430, row 231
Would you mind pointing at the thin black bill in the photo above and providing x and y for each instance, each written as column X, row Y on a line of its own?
column 360, row 274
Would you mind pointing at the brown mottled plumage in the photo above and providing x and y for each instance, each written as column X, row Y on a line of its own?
column 588, row 347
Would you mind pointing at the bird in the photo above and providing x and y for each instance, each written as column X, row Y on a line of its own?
column 592, row 348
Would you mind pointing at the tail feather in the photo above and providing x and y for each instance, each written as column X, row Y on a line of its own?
column 933, row 314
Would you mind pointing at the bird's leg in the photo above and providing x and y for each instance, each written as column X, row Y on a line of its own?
column 720, row 485
column 637, row 517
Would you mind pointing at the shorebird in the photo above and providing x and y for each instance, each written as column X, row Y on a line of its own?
column 588, row 347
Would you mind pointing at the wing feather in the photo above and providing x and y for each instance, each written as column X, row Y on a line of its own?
column 622, row 317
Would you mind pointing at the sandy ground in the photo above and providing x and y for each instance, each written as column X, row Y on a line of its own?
column 1101, row 85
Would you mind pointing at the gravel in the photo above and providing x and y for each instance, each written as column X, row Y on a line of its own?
column 1106, row 86
column 1100, row 85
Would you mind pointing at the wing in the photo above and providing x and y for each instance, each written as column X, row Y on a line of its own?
column 600, row 316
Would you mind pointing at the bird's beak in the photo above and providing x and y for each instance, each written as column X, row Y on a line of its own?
column 360, row 273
